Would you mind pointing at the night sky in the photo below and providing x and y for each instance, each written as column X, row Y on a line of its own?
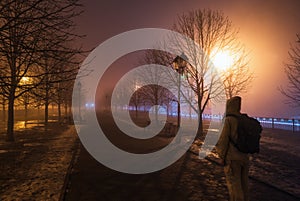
column 267, row 28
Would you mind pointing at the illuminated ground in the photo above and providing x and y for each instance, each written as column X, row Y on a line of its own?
column 34, row 168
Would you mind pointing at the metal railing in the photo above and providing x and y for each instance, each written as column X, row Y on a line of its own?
column 280, row 123
column 267, row 122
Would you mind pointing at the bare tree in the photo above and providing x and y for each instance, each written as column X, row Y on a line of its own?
column 213, row 32
column 17, row 42
column 237, row 77
column 292, row 70
column 57, row 71
column 26, row 33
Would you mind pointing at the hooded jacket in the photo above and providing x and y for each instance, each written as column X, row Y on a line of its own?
column 224, row 147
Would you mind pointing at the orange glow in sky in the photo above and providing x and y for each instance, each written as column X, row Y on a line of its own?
column 266, row 28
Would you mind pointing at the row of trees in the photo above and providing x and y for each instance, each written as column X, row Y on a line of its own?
column 38, row 58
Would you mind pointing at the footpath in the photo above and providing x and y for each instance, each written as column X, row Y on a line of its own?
column 274, row 176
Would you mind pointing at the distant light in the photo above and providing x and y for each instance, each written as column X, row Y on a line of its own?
column 90, row 105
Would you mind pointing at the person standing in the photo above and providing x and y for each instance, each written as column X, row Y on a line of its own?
column 236, row 163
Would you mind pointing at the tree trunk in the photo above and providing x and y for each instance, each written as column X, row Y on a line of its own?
column 46, row 102
column 38, row 113
column 66, row 115
column 26, row 112
column 200, row 125
column 168, row 105
column 136, row 111
column 156, row 110
column 66, row 109
column 10, row 120
column 46, row 112
column 46, row 108
column 59, row 111
column 200, row 120
column 4, row 110
column 70, row 109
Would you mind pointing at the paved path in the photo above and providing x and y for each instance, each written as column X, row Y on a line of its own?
column 188, row 179
column 184, row 180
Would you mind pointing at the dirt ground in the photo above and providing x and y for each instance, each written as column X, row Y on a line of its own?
column 278, row 162
column 34, row 167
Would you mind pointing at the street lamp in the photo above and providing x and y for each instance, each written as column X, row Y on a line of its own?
column 179, row 64
column 79, row 100
column 136, row 101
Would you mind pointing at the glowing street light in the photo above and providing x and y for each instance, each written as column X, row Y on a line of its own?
column 25, row 80
column 222, row 59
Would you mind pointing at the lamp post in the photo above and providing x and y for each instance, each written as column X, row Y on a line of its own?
column 25, row 81
column 136, row 101
column 179, row 64
column 79, row 101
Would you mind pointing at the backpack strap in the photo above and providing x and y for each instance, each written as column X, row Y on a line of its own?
column 230, row 139
column 232, row 142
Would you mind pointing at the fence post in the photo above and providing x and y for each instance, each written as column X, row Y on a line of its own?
column 272, row 122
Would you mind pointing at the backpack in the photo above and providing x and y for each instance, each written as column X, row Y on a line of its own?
column 249, row 130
